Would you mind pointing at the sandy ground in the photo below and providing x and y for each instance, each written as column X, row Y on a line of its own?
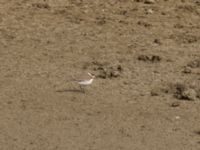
column 146, row 58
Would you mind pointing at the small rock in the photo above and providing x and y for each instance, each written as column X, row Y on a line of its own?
column 41, row 6
column 187, row 70
column 185, row 92
column 189, row 94
column 194, row 64
column 179, row 89
column 107, row 71
column 163, row 13
column 149, row 11
column 153, row 58
column 143, row 58
column 157, row 41
column 175, row 104
column 119, row 68
column 114, row 74
column 149, row 1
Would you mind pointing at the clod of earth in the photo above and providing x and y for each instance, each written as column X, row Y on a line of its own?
column 153, row 58
column 194, row 64
column 149, row 11
column 189, row 94
column 175, row 104
column 114, row 73
column 107, row 71
column 157, row 41
column 41, row 6
column 187, row 70
column 185, row 93
column 149, row 1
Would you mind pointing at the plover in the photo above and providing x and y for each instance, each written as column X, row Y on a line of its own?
column 84, row 80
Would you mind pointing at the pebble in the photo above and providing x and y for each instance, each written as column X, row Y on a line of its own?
column 114, row 73
column 109, row 71
column 194, row 64
column 189, row 94
column 157, row 41
column 149, row 11
column 175, row 104
column 151, row 58
column 187, row 70
column 149, row 1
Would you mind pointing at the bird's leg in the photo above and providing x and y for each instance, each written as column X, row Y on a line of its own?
column 82, row 89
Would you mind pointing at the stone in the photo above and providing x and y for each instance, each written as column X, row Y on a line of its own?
column 175, row 104
column 157, row 41
column 149, row 1
column 187, row 70
column 189, row 94
column 114, row 74
column 149, row 11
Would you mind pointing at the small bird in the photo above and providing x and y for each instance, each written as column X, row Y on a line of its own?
column 84, row 80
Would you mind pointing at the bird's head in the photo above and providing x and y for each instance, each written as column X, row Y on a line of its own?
column 91, row 75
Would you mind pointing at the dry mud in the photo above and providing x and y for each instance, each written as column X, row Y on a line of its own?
column 146, row 58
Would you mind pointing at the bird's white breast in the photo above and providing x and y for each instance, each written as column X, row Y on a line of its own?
column 85, row 82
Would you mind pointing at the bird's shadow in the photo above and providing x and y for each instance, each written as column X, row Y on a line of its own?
column 70, row 90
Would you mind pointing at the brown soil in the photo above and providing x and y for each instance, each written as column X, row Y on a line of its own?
column 146, row 57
